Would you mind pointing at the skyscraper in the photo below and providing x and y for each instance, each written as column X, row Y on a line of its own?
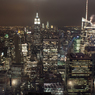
column 17, row 49
column 37, row 39
column 37, row 22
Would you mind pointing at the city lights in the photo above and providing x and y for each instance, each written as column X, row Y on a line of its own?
column 48, row 53
column 14, row 82
column 70, row 83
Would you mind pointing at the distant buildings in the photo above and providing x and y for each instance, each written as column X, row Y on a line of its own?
column 47, row 59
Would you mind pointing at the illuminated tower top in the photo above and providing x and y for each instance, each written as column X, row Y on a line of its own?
column 37, row 20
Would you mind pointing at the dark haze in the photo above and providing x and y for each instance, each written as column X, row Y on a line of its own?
column 57, row 12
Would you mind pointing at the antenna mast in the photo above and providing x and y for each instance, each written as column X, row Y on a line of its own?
column 86, row 9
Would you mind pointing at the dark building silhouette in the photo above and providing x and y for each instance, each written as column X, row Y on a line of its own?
column 17, row 49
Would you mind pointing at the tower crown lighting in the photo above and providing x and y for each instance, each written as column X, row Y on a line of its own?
column 37, row 19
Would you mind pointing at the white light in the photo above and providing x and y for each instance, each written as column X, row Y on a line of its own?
column 70, row 83
column 14, row 82
column 2, row 53
column 29, row 32
column 38, row 22
column 3, row 89
column 35, row 22
column 43, row 25
column 38, row 19
column 77, row 48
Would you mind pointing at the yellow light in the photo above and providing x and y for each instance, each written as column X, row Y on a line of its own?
column 18, row 31
column 51, row 26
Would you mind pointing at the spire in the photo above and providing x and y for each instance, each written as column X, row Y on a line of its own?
column 37, row 15
column 86, row 9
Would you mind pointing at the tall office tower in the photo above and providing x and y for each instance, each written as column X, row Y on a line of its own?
column 79, row 74
column 37, row 39
column 66, row 42
column 31, row 68
column 61, row 55
column 76, row 44
column 50, row 50
column 87, row 34
column 47, row 26
column 40, row 67
column 24, row 49
column 43, row 26
column 17, row 49
column 88, row 31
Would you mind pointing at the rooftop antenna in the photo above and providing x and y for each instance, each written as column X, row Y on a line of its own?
column 86, row 9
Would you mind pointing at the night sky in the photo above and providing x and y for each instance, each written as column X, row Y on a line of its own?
column 57, row 12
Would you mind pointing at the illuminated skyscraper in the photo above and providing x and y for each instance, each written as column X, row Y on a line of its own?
column 43, row 26
column 79, row 74
column 37, row 19
column 47, row 26
column 50, row 51
column 37, row 22
column 37, row 39
column 88, row 31
column 37, row 30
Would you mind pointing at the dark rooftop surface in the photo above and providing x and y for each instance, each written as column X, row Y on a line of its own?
column 3, row 72
column 17, row 64
column 90, row 48
column 79, row 56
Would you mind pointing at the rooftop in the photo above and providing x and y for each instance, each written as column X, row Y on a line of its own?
column 90, row 48
column 17, row 64
column 3, row 72
column 79, row 56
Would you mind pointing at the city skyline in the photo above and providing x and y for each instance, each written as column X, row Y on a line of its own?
column 59, row 13
column 43, row 58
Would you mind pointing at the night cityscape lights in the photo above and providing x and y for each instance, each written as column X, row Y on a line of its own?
column 46, row 59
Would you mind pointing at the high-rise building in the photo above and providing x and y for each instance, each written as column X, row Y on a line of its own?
column 43, row 26
column 24, row 49
column 76, row 44
column 79, row 74
column 17, row 49
column 50, row 51
column 47, row 26
column 88, row 31
column 37, row 37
